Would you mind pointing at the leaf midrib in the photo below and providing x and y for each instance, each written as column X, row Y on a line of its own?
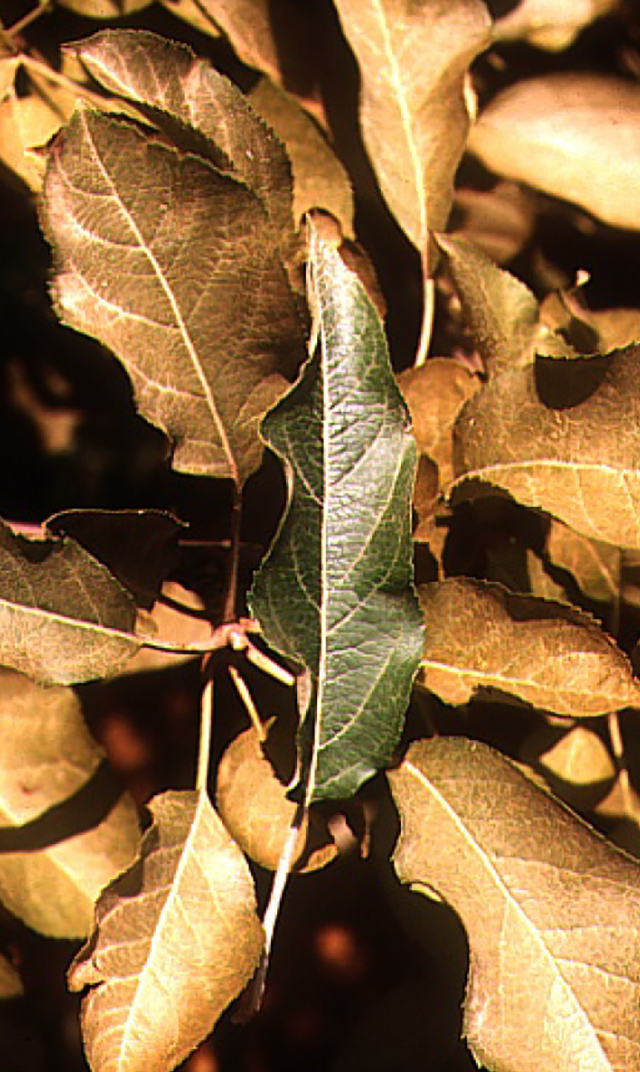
column 487, row 863
column 182, row 327
column 405, row 113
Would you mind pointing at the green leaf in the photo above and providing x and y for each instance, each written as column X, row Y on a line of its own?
column 177, row 938
column 335, row 591
column 54, row 863
column 413, row 59
column 562, row 436
column 174, row 266
column 63, row 617
column 551, row 909
column 173, row 84
column 479, row 636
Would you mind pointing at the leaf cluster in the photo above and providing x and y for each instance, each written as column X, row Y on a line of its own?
column 447, row 591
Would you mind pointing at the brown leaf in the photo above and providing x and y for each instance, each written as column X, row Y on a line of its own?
column 561, row 436
column 195, row 13
column 63, row 617
column 479, row 636
column 575, row 763
column 253, row 804
column 176, row 940
column 48, row 755
column 319, row 178
column 594, row 565
column 499, row 221
column 502, row 313
column 575, row 136
column 616, row 327
column 425, row 499
column 166, row 621
column 105, row 9
column 209, row 324
column 173, row 84
column 413, row 59
column 277, row 37
column 548, row 24
column 552, row 911
column 435, row 393
column 27, row 124
column 10, row 981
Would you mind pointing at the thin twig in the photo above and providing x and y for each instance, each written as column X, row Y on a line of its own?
column 247, row 699
column 18, row 27
column 233, row 562
column 204, row 747
column 428, row 313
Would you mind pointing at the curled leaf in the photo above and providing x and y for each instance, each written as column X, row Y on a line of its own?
column 575, row 136
column 176, row 940
column 479, row 636
column 253, row 804
column 51, row 872
column 552, row 911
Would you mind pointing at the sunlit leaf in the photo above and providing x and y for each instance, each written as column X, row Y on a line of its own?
column 576, row 136
column 563, row 436
column 552, row 911
column 335, row 592
column 10, row 981
column 176, row 940
column 253, row 804
column 548, row 24
column 479, row 636
column 27, row 123
column 413, row 58
column 319, row 178
column 616, row 327
column 104, row 9
column 595, row 566
column 52, row 870
column 173, row 84
column 63, row 617
column 173, row 265
column 575, row 763
column 195, row 13
column 8, row 67
column 435, row 393
column 502, row 313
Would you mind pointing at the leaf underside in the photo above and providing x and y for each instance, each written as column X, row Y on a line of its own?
column 335, row 591
column 551, row 909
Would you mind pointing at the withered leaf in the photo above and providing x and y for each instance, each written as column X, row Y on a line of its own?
column 173, row 84
column 502, row 313
column 105, row 9
column 319, row 178
column 413, row 58
column 173, row 265
column 595, row 566
column 10, row 981
column 253, row 804
column 177, row 938
column 479, row 636
column 435, row 393
column 575, row 762
column 47, row 756
column 562, row 436
column 277, row 37
column 63, row 617
column 551, row 909
column 546, row 23
column 576, row 136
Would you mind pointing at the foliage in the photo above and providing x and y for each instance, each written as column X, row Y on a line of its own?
column 385, row 488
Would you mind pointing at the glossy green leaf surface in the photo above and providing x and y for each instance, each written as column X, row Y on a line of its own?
column 335, row 592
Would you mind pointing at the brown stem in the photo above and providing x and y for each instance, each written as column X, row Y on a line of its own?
column 229, row 609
